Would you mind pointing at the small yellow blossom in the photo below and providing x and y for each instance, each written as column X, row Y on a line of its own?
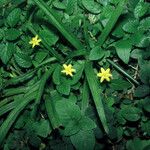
column 35, row 41
column 104, row 75
column 68, row 69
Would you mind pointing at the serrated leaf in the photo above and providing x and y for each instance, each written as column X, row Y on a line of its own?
column 23, row 60
column 6, row 52
column 131, row 26
column 12, row 34
column 91, row 6
column 145, row 23
column 131, row 113
column 83, row 140
column 67, row 111
column 63, row 88
column 14, row 17
column 42, row 128
column 140, row 9
column 59, row 5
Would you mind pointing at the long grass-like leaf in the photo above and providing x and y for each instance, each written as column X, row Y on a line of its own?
column 5, row 127
column 6, row 108
column 112, row 21
column 53, row 19
column 21, row 78
column 52, row 114
column 42, row 84
column 96, row 92
column 85, row 97
column 5, row 101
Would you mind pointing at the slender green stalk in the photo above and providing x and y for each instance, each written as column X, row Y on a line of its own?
column 42, row 84
column 20, row 79
column 85, row 97
column 41, row 90
column 96, row 93
column 52, row 114
column 14, row 91
column 111, row 23
column 52, row 18
column 8, row 107
column 5, row 101
column 123, row 72
column 5, row 127
column 49, row 60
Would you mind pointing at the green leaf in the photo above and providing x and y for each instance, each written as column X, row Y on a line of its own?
column 1, row 34
column 67, row 111
column 42, row 128
column 74, row 126
column 96, row 53
column 79, row 67
column 142, row 91
column 48, row 36
column 131, row 26
column 136, row 142
column 72, row 4
column 51, row 112
column 6, row 52
column 86, row 124
column 146, row 104
column 111, row 23
column 96, row 91
column 57, row 75
column 123, row 48
column 23, row 60
column 141, row 9
column 5, row 127
column 71, row 128
column 12, row 34
column 63, row 88
column 131, row 113
column 59, row 5
column 39, row 57
column 119, row 84
column 145, row 73
column 91, row 6
column 14, row 17
column 139, row 39
column 83, row 140
column 145, row 23
column 136, row 54
column 53, row 19
column 146, row 126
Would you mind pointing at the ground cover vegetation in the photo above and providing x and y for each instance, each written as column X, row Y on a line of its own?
column 75, row 74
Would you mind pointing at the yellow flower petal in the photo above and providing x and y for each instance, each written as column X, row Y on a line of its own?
column 35, row 41
column 104, row 75
column 68, row 69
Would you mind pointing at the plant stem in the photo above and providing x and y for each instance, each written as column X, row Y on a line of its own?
column 123, row 72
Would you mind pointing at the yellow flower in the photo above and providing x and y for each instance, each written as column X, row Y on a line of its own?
column 35, row 41
column 68, row 69
column 104, row 75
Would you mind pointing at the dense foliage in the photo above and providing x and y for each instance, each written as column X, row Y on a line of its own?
column 42, row 107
